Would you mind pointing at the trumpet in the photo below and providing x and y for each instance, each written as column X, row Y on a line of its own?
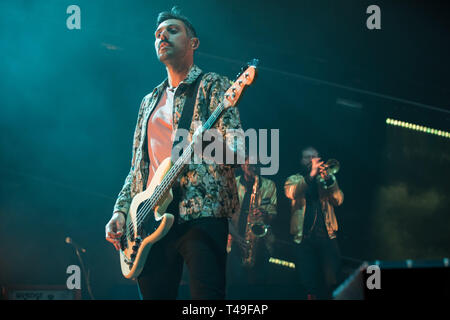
column 329, row 169
column 332, row 166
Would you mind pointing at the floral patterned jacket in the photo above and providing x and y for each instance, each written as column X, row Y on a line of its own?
column 208, row 190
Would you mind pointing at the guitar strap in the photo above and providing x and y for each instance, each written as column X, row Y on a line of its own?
column 188, row 108
column 185, row 123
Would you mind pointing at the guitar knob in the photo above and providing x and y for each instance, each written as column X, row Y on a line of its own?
column 135, row 247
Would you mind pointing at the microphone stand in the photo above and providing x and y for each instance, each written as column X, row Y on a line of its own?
column 83, row 269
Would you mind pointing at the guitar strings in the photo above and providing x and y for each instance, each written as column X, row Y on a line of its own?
column 141, row 215
column 150, row 203
column 144, row 210
column 161, row 189
column 173, row 170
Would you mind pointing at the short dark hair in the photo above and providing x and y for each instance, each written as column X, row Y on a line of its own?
column 175, row 13
column 308, row 148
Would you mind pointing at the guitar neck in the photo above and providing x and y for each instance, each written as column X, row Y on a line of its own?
column 213, row 117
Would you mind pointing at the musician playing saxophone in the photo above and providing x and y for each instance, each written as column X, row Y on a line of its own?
column 251, row 237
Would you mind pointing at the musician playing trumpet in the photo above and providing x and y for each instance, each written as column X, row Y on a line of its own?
column 251, row 239
column 314, row 192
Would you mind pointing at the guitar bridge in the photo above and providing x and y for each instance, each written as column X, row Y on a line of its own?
column 128, row 262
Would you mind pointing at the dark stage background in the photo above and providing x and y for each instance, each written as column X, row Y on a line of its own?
column 69, row 102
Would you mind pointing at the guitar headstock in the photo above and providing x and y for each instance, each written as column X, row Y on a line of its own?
column 244, row 79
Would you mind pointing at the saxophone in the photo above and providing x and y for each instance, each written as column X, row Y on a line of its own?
column 253, row 235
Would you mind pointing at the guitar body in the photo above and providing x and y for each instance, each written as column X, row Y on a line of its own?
column 137, row 240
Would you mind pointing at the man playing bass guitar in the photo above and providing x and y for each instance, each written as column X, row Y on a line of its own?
column 207, row 194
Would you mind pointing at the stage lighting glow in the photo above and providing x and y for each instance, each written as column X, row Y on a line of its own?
column 283, row 263
column 416, row 127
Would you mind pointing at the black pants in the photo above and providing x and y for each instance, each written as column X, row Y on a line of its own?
column 201, row 244
column 318, row 265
